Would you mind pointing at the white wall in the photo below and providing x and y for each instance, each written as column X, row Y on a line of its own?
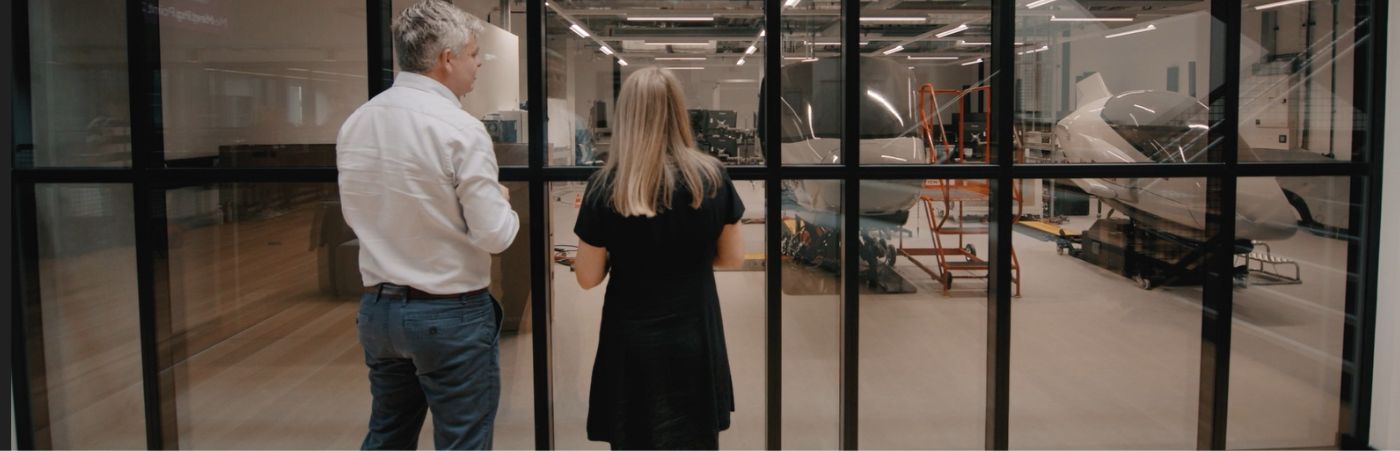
column 1385, row 395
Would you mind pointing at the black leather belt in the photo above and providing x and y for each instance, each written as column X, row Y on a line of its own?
column 389, row 289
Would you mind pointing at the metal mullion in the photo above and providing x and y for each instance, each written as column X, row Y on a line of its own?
column 1363, row 254
column 148, row 157
column 31, row 406
column 998, row 405
column 380, row 62
column 539, row 263
column 1218, row 291
column 773, row 223
column 850, row 255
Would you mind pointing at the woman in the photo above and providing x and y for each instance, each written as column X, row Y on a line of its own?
column 659, row 215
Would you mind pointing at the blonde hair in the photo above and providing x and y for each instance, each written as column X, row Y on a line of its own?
column 654, row 148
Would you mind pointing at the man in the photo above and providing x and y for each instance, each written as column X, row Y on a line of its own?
column 418, row 185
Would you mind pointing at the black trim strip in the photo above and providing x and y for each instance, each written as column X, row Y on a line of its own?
column 772, row 227
column 380, row 61
column 26, row 326
column 850, row 229
column 999, row 280
column 540, row 294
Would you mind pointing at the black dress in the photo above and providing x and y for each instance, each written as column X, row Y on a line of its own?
column 661, row 378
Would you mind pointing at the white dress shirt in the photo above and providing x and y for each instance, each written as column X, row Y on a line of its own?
column 418, row 185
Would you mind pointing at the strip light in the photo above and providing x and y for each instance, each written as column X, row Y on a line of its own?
column 678, row 43
column 622, row 61
column 1038, row 3
column 679, row 58
column 1041, row 49
column 670, row 19
column 740, row 63
column 750, row 50
column 832, row 43
column 896, row 49
column 959, row 28
column 605, row 50
column 976, row 61
column 1277, row 4
column 578, row 30
column 791, row 3
column 982, row 43
column 893, row 19
column 1090, row 19
column 1125, row 33
column 945, row 58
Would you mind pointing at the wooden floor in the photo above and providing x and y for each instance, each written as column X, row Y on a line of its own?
column 1096, row 361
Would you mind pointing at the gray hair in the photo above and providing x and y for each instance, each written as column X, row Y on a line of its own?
column 427, row 28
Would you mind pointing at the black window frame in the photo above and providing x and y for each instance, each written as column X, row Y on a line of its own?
column 149, row 178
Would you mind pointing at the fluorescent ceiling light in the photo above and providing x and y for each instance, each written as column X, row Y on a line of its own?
column 680, row 58
column 762, row 33
column 684, row 67
column 932, row 57
column 1278, row 4
column 605, row 50
column 976, row 61
column 298, row 69
column 1038, row 3
column 621, row 61
column 578, row 30
column 1041, row 49
column 982, row 43
column 1125, row 33
column 811, row 60
column 953, row 31
column 1090, row 19
column 896, row 49
column 750, row 50
column 678, row 43
column 740, row 63
column 894, row 19
column 671, row 18
column 791, row 3
column 832, row 43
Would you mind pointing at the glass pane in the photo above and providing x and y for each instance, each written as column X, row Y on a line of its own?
column 925, row 76
column 265, row 286
column 811, row 84
column 498, row 96
column 78, row 85
column 715, row 49
column 577, row 316
column 90, row 329
column 812, row 219
column 1106, row 336
column 923, row 313
column 1298, row 80
column 1086, row 92
column 1290, row 311
column 259, row 83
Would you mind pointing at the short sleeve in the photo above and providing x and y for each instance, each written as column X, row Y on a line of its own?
column 733, row 205
column 592, row 215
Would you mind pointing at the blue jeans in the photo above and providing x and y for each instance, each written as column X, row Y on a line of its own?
column 431, row 354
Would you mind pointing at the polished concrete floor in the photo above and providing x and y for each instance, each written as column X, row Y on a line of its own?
column 1096, row 361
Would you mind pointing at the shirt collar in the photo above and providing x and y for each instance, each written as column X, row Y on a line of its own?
column 424, row 83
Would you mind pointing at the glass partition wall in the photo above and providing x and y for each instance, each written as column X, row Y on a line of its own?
column 998, row 224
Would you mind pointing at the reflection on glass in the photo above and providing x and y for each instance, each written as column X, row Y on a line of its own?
column 923, row 314
column 91, row 342
column 925, row 78
column 1297, row 80
column 258, row 83
column 1088, row 93
column 498, row 95
column 1286, row 364
column 811, row 246
column 1106, row 336
column 261, row 341
column 78, row 85
column 810, row 81
column 577, row 315
column 715, row 49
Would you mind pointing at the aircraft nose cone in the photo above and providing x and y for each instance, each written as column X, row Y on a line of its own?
column 1263, row 212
